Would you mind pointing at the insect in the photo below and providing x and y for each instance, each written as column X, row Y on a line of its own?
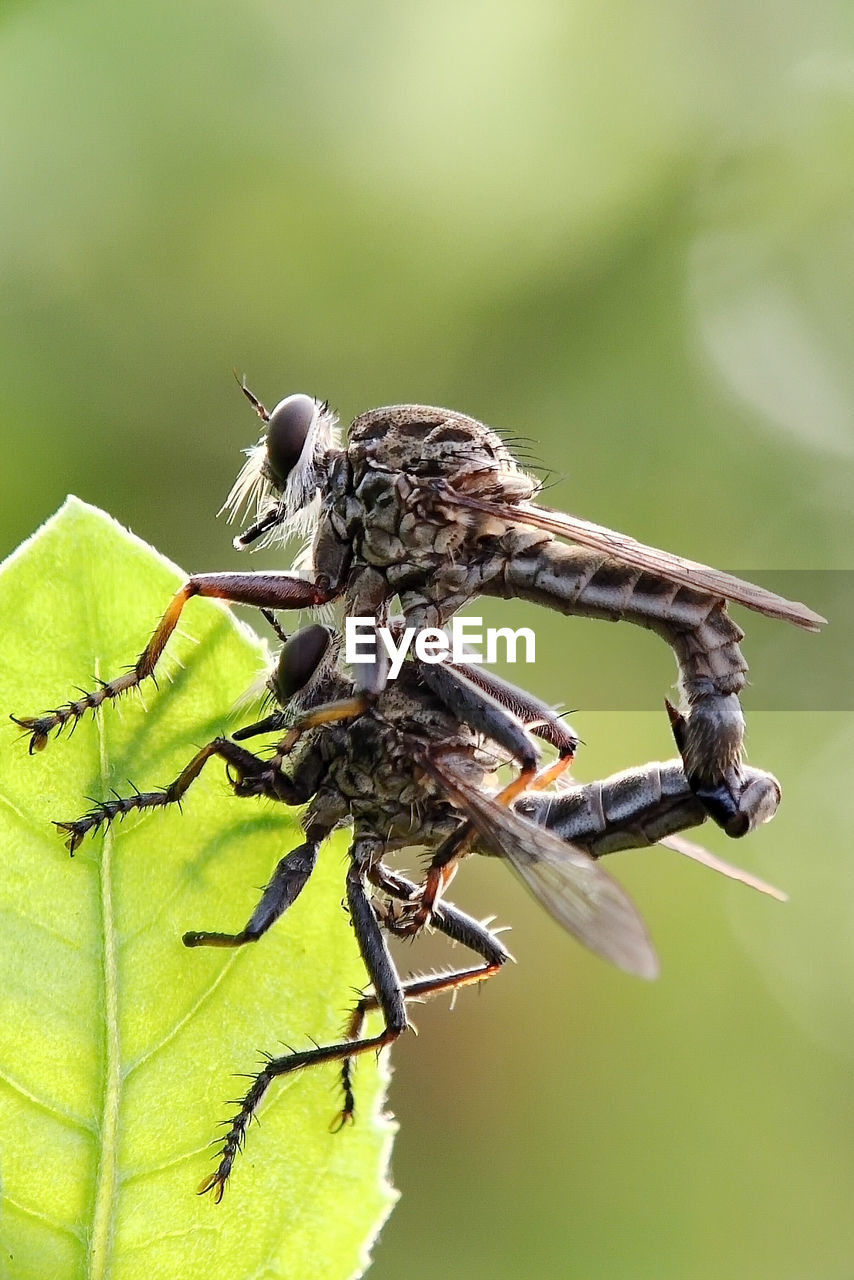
column 411, row 768
column 429, row 505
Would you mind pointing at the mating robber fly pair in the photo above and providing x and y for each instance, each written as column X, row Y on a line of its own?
column 430, row 507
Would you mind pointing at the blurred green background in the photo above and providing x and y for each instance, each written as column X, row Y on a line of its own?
column 625, row 230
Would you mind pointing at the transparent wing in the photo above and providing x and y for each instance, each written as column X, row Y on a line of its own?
column 686, row 573
column 571, row 886
column 698, row 853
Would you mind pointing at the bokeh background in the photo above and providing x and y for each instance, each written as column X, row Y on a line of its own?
column 625, row 230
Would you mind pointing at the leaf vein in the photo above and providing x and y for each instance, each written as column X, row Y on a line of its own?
column 10, row 804
column 50, row 1108
column 63, row 1228
column 193, row 1230
column 106, row 1180
column 187, row 1017
column 32, row 822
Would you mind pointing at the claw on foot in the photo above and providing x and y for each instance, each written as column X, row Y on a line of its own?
column 215, row 1182
column 38, row 727
column 75, row 831
column 345, row 1116
column 404, row 919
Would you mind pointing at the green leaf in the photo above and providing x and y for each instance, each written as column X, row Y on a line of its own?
column 119, row 1046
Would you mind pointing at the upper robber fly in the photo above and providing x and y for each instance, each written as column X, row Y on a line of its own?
column 430, row 505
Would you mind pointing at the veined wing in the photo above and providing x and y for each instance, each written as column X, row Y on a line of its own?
column 571, row 886
column 685, row 573
column 698, row 853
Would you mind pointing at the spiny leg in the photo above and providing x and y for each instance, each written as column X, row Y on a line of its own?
column 482, row 711
column 456, row 925
column 328, row 713
column 244, row 762
column 440, row 873
column 270, row 590
column 385, row 981
column 413, row 989
column 251, row 776
column 522, row 708
column 286, row 884
column 509, row 716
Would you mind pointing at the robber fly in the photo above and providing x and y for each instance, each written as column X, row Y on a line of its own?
column 430, row 505
column 411, row 769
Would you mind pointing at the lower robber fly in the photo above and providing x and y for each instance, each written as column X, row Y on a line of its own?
column 411, row 769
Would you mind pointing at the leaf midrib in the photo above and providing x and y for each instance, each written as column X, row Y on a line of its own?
column 103, row 1208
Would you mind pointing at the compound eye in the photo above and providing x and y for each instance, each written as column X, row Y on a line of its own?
column 299, row 660
column 287, row 431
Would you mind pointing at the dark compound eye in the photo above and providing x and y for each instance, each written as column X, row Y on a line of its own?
column 287, row 430
column 299, row 660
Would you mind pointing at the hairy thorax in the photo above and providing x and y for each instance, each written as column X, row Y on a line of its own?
column 394, row 513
